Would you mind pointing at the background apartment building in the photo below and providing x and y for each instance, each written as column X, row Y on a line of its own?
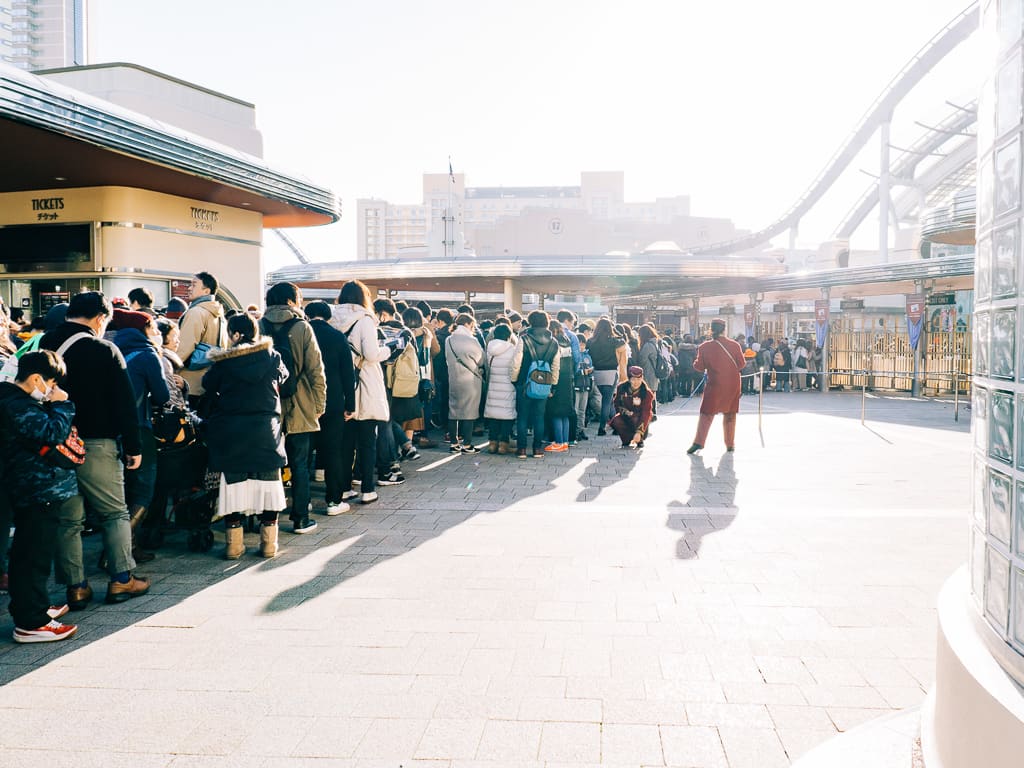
column 43, row 34
column 593, row 217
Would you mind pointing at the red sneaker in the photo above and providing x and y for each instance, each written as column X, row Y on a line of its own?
column 47, row 633
column 56, row 611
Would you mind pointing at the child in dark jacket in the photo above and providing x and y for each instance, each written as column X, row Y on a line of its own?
column 35, row 413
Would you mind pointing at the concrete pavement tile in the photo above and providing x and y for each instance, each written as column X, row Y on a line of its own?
column 644, row 712
column 441, row 661
column 33, row 758
column 763, row 693
column 516, row 641
column 560, row 710
column 734, row 669
column 885, row 672
column 587, row 663
column 681, row 690
column 488, row 661
column 685, row 666
column 519, row 687
column 901, row 697
column 841, row 696
column 753, row 748
column 778, row 669
column 847, row 718
column 798, row 742
column 443, row 684
column 571, row 742
column 508, row 742
column 628, row 663
column 602, row 688
column 332, row 737
column 450, row 739
column 465, row 705
column 537, row 662
column 689, row 746
column 804, row 718
column 630, row 744
column 395, row 705
column 728, row 715
column 828, row 671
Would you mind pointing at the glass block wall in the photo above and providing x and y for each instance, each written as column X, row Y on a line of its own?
column 997, row 521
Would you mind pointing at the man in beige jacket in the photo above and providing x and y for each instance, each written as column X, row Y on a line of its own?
column 202, row 322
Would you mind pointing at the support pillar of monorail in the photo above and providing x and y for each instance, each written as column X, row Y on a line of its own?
column 513, row 295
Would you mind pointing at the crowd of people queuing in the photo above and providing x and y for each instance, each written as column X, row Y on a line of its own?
column 281, row 396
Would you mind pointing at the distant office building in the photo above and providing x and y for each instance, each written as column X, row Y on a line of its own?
column 43, row 34
column 593, row 217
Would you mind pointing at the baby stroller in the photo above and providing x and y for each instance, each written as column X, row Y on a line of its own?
column 183, row 482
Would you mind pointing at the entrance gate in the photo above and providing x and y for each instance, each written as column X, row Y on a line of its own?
column 882, row 359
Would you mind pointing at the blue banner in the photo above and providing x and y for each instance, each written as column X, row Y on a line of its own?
column 914, row 330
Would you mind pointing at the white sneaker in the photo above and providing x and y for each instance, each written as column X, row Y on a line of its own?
column 349, row 495
column 368, row 498
column 48, row 633
column 337, row 509
column 319, row 476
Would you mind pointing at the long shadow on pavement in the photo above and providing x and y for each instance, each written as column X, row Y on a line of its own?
column 451, row 491
column 373, row 546
column 707, row 491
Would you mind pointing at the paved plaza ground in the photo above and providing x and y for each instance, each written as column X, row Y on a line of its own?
column 601, row 607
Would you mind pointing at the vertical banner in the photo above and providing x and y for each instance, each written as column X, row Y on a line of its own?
column 748, row 319
column 915, row 317
column 694, row 317
column 821, row 319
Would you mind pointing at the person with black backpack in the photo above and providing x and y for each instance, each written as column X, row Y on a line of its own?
column 535, row 373
column 303, row 394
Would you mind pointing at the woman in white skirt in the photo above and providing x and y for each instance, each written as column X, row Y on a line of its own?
column 244, row 433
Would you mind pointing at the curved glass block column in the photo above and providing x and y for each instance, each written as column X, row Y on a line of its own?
column 997, row 519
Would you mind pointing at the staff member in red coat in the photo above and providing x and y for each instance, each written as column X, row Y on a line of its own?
column 722, row 359
column 634, row 405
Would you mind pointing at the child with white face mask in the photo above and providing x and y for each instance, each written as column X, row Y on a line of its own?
column 35, row 418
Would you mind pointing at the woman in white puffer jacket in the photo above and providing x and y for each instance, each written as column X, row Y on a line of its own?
column 353, row 316
column 500, row 407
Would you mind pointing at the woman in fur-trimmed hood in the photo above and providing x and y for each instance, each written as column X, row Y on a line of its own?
column 244, row 432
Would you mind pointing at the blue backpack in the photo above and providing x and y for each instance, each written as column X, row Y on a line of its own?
column 538, row 375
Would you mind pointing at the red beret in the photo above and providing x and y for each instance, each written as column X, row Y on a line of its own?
column 125, row 318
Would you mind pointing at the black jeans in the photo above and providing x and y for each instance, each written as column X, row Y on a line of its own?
column 328, row 453
column 32, row 551
column 359, row 442
column 529, row 412
column 297, row 447
column 500, row 429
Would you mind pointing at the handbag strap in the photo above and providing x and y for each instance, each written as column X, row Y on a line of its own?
column 727, row 352
column 462, row 362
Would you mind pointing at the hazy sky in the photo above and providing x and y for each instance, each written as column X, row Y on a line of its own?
column 737, row 103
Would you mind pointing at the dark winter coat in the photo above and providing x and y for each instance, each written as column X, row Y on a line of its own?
column 338, row 368
column 26, row 425
column 98, row 384
column 563, row 398
column 244, row 429
column 146, row 372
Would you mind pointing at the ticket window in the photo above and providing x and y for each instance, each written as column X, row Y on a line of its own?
column 36, row 297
